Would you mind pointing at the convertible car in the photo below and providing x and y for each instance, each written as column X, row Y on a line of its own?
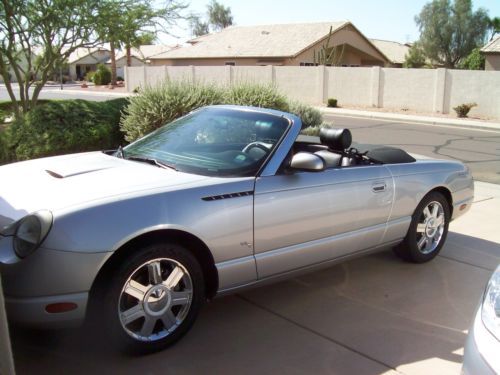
column 224, row 198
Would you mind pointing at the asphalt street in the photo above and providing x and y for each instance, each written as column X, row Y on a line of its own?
column 55, row 92
column 477, row 148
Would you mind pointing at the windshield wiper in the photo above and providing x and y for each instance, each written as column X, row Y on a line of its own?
column 151, row 161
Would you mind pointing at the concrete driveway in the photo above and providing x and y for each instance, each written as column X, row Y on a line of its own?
column 372, row 315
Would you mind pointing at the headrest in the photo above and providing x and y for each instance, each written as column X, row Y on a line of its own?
column 336, row 139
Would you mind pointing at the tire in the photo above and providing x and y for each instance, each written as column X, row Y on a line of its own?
column 152, row 298
column 428, row 230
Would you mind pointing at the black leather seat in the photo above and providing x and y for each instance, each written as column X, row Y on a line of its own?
column 338, row 141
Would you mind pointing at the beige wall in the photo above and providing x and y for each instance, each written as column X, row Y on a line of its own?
column 492, row 62
column 429, row 90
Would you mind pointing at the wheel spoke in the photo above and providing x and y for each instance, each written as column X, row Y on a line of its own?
column 154, row 272
column 173, row 279
column 136, row 290
column 168, row 319
column 422, row 242
column 435, row 210
column 427, row 213
column 420, row 228
column 132, row 314
column 148, row 326
column 181, row 298
column 440, row 220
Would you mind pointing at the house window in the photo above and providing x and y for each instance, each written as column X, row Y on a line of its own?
column 308, row 64
column 232, row 63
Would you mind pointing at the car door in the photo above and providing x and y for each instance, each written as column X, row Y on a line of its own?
column 306, row 218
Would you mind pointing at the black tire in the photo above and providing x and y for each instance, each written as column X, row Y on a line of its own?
column 163, row 262
column 409, row 249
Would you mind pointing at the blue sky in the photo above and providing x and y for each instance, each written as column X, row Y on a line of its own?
column 382, row 19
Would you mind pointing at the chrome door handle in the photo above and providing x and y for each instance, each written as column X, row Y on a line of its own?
column 378, row 187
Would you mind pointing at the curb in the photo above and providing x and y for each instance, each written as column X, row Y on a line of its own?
column 411, row 119
column 98, row 93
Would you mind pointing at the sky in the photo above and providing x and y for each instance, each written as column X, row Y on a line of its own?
column 378, row 19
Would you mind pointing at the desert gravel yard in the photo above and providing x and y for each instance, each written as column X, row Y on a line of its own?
column 372, row 315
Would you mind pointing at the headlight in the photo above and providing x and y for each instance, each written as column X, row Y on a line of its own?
column 30, row 232
column 490, row 312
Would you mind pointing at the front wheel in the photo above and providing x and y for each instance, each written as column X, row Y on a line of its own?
column 154, row 298
column 428, row 230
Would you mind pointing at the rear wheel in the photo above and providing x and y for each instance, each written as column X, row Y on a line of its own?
column 153, row 298
column 428, row 230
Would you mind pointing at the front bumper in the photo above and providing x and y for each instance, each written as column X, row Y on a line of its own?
column 32, row 312
column 47, row 277
column 481, row 355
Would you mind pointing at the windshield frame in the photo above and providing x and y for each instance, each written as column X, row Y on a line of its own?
column 280, row 116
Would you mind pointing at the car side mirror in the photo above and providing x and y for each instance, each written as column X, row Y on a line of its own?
column 305, row 161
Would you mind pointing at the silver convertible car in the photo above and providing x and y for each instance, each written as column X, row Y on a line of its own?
column 221, row 199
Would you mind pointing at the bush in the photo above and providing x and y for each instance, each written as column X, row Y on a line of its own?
column 265, row 96
column 66, row 126
column 310, row 116
column 314, row 130
column 463, row 109
column 102, row 75
column 158, row 105
column 89, row 77
column 332, row 103
column 119, row 79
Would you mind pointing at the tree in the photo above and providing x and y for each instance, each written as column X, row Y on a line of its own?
column 449, row 32
column 55, row 28
column 219, row 16
column 475, row 60
column 198, row 27
column 129, row 23
column 415, row 58
column 494, row 26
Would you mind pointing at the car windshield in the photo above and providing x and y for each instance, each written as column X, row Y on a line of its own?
column 212, row 141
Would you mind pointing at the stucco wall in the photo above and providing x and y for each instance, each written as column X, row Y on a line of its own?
column 430, row 90
column 492, row 62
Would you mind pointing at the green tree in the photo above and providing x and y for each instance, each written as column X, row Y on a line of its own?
column 198, row 26
column 449, row 32
column 329, row 55
column 36, row 36
column 219, row 16
column 130, row 23
column 415, row 58
column 475, row 60
column 494, row 26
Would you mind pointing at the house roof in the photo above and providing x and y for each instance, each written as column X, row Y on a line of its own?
column 493, row 46
column 282, row 40
column 144, row 52
column 82, row 52
column 394, row 51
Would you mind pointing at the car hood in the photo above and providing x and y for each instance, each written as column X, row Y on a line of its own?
column 60, row 182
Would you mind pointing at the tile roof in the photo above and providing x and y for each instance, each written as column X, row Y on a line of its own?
column 394, row 51
column 493, row 46
column 281, row 40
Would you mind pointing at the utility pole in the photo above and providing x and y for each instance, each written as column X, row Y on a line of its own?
column 6, row 359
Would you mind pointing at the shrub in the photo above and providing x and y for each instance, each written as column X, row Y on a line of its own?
column 119, row 79
column 102, row 75
column 66, row 126
column 157, row 105
column 89, row 77
column 265, row 96
column 314, row 130
column 332, row 103
column 310, row 116
column 463, row 109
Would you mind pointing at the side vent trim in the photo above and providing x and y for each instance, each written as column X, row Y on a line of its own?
column 227, row 196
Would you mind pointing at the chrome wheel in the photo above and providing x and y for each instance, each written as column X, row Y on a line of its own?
column 155, row 299
column 430, row 227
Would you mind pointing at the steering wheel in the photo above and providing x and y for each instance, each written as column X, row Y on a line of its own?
column 257, row 144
